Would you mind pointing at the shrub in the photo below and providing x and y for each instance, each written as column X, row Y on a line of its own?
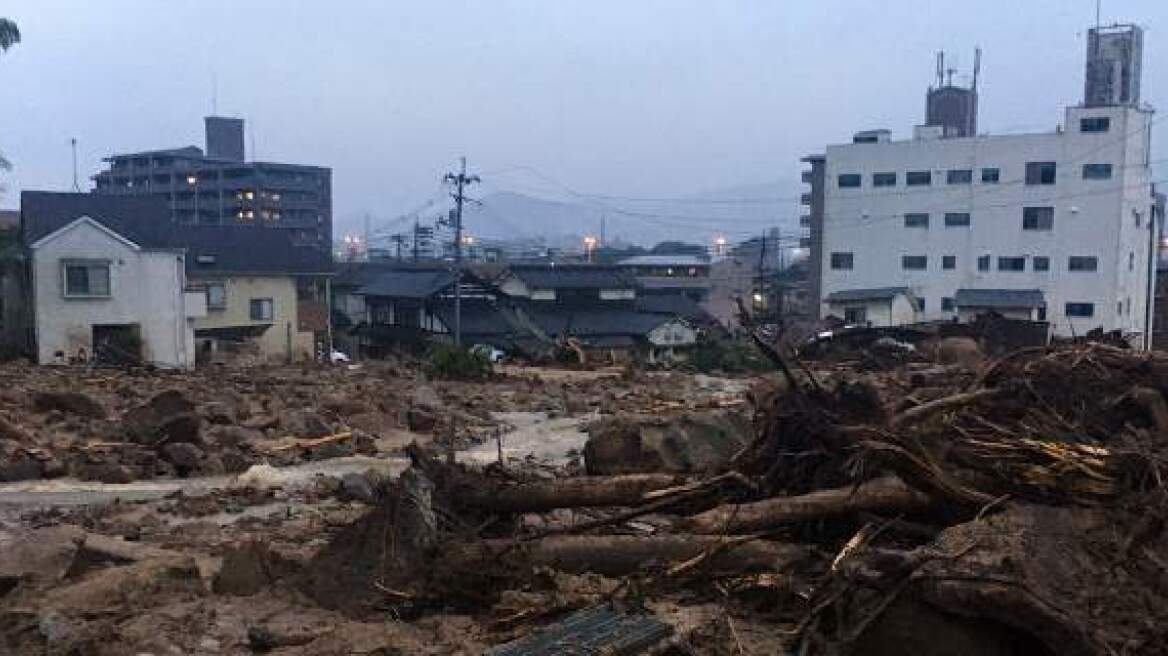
column 450, row 362
column 729, row 356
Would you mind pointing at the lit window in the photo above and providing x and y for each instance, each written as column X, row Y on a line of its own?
column 249, row 195
column 86, row 279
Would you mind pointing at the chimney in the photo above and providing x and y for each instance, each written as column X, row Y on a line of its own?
column 224, row 138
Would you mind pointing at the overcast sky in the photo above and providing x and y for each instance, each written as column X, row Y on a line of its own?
column 632, row 98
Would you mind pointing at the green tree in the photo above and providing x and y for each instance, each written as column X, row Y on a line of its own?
column 9, row 34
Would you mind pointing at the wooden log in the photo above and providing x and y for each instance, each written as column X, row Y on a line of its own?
column 879, row 495
column 619, row 555
column 575, row 492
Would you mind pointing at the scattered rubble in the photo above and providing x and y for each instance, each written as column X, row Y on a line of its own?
column 935, row 504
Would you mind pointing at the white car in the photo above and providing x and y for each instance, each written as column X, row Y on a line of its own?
column 336, row 357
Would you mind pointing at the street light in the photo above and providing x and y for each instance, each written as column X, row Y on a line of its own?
column 719, row 245
column 589, row 245
column 193, row 181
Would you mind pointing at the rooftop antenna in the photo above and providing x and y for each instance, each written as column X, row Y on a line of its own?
column 940, row 68
column 1098, row 12
column 73, row 147
column 976, row 66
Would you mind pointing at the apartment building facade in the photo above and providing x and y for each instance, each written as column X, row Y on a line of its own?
column 217, row 186
column 1058, row 227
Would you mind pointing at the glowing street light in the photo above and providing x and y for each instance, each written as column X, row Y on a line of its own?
column 719, row 245
column 589, row 246
column 467, row 240
column 192, row 180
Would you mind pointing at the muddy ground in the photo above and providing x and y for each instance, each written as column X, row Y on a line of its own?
column 149, row 512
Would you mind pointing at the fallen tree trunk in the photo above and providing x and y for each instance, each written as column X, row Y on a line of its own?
column 619, row 555
column 882, row 494
column 577, row 492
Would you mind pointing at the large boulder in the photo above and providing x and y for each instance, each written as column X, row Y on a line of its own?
column 76, row 403
column 167, row 417
column 694, row 442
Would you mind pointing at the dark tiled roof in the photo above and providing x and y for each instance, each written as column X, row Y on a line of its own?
column 144, row 220
column 1000, row 298
column 359, row 274
column 674, row 304
column 247, row 249
column 874, row 294
column 572, row 276
column 408, row 284
column 479, row 318
column 593, row 320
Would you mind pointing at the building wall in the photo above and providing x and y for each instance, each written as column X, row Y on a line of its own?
column 881, row 313
column 1091, row 218
column 279, row 340
column 146, row 288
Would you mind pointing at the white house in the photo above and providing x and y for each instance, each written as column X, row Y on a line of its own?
column 97, row 292
column 1056, row 226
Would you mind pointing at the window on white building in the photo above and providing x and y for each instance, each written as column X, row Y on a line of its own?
column 959, row 176
column 948, row 261
column 849, row 180
column 260, row 309
column 855, row 315
column 918, row 178
column 1082, row 263
column 957, row 219
column 916, row 220
column 914, row 262
column 983, row 263
column 842, row 260
column 1096, row 171
column 86, row 278
column 1037, row 218
column 1040, row 173
column 883, row 179
column 1041, row 263
column 948, row 304
column 991, row 175
column 1080, row 309
column 1011, row 264
column 1095, row 124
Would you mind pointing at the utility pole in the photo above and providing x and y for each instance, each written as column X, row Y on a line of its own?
column 414, row 246
column 460, row 181
column 398, row 239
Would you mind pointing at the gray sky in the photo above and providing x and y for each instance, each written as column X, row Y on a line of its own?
column 644, row 98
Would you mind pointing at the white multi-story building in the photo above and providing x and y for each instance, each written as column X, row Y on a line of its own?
column 1058, row 227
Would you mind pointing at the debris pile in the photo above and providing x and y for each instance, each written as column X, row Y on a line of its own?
column 1020, row 512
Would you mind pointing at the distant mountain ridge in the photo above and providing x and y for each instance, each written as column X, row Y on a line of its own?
column 736, row 213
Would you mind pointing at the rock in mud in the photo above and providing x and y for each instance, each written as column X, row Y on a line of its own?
column 249, row 568
column 185, row 457
column 695, row 442
column 76, row 403
column 159, row 417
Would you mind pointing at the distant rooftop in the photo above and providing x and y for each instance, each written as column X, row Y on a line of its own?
column 665, row 260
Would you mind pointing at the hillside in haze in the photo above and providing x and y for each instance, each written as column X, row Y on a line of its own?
column 737, row 213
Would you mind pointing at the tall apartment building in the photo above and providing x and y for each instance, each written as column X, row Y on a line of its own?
column 1057, row 226
column 219, row 187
